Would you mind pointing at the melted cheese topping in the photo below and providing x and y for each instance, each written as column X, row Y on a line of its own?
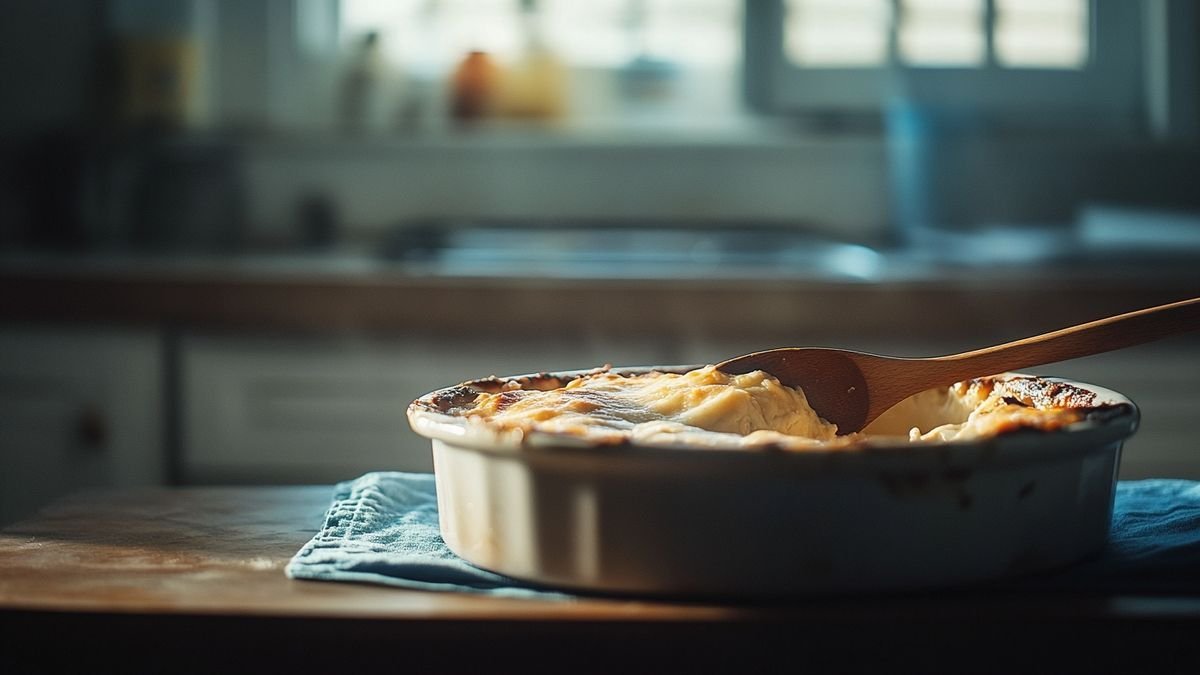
column 661, row 407
column 710, row 408
column 970, row 410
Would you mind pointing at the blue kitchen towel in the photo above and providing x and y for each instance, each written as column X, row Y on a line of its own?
column 1153, row 546
column 383, row 528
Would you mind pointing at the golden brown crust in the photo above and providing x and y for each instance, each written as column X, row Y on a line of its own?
column 989, row 406
column 1044, row 394
column 460, row 398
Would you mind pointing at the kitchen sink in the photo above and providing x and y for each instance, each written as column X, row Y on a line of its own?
column 628, row 250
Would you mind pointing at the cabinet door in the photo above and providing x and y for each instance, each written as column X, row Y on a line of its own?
column 321, row 410
column 78, row 408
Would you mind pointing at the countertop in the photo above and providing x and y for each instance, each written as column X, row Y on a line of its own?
column 357, row 293
column 193, row 578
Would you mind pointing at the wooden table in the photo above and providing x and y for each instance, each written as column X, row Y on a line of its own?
column 177, row 579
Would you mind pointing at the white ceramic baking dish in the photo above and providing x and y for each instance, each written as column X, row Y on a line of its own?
column 684, row 521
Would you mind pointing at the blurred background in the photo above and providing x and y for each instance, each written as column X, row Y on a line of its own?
column 238, row 237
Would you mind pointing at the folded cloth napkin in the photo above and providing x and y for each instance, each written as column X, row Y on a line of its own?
column 383, row 528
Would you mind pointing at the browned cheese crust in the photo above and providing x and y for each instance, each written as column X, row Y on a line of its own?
column 706, row 408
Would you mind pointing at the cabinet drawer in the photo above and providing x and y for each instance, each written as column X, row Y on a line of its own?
column 78, row 409
column 299, row 410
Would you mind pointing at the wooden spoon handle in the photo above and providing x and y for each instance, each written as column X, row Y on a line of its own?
column 1124, row 330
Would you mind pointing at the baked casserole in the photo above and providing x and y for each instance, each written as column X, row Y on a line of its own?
column 708, row 408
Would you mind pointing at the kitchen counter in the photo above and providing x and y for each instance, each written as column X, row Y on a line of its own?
column 192, row 579
column 355, row 293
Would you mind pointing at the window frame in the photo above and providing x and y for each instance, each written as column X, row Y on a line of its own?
column 1107, row 92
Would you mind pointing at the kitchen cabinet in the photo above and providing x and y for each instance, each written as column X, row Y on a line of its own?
column 296, row 409
column 78, row 408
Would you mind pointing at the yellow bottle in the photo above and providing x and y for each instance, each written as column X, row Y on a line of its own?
column 535, row 87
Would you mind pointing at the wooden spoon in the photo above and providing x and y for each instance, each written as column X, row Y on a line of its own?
column 851, row 388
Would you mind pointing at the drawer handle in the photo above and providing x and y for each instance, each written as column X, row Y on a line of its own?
column 92, row 428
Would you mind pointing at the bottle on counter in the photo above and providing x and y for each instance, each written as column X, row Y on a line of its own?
column 475, row 88
column 535, row 87
column 362, row 96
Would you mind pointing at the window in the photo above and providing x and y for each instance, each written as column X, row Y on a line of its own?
column 627, row 61
column 832, row 34
column 1023, row 33
column 630, row 63
column 1041, row 33
column 596, row 33
column 1039, row 61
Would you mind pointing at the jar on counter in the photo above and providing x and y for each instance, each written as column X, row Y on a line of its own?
column 475, row 87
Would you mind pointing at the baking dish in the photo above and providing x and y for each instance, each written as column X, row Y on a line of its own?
column 878, row 515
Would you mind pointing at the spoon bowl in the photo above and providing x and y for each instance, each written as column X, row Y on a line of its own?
column 850, row 389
